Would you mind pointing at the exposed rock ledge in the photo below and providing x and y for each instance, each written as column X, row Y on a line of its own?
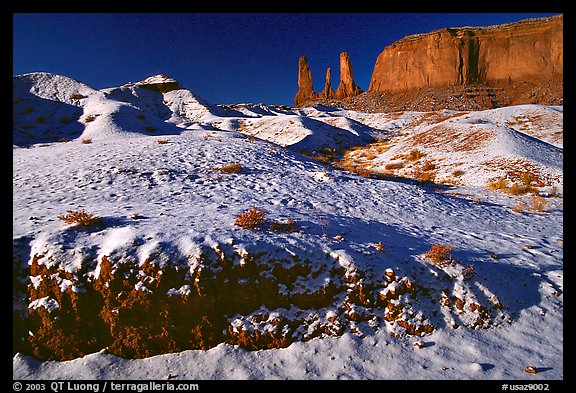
column 257, row 300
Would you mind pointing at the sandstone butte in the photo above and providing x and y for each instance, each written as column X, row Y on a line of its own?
column 528, row 51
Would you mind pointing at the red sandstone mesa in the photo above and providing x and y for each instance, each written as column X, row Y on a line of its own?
column 526, row 51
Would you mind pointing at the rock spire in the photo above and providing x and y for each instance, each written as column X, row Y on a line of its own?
column 346, row 88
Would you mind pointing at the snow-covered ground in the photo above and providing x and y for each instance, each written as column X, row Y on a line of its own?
column 148, row 164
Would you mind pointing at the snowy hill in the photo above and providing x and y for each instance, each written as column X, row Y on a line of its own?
column 337, row 278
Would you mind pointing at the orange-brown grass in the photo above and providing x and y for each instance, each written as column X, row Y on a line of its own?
column 394, row 165
column 536, row 204
column 439, row 254
column 414, row 155
column 80, row 217
column 497, row 184
column 428, row 166
column 251, row 219
column 231, row 168
column 77, row 96
column 424, row 176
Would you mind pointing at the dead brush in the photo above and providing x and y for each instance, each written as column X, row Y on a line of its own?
column 251, row 218
column 439, row 254
column 287, row 225
column 231, row 168
column 80, row 217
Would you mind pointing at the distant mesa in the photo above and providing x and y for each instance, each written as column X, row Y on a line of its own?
column 346, row 88
column 530, row 50
column 462, row 68
column 161, row 83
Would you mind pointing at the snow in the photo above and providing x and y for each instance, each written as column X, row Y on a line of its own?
column 169, row 200
column 46, row 302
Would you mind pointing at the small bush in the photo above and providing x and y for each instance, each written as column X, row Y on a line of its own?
column 535, row 203
column 414, row 155
column 231, row 168
column 424, row 176
column 89, row 118
column 439, row 254
column 41, row 120
column 428, row 166
column 518, row 189
column 458, row 172
column 76, row 96
column 394, row 165
column 379, row 246
column 527, row 178
column 251, row 219
column 86, row 141
column 162, row 141
column 287, row 226
column 538, row 203
column 141, row 116
column 498, row 184
column 80, row 217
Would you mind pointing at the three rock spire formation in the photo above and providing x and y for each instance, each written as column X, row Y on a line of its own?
column 346, row 88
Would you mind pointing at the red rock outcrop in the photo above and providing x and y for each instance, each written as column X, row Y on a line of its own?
column 161, row 83
column 328, row 92
column 528, row 51
column 305, row 87
column 347, row 87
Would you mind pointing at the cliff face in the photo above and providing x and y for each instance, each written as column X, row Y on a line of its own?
column 526, row 51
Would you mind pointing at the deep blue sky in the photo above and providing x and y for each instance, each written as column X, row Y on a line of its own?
column 224, row 58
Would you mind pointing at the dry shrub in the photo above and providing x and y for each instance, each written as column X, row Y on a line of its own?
column 535, row 203
column 394, row 165
column 89, row 118
column 538, row 203
column 439, row 254
column 458, row 173
column 428, row 166
column 162, row 141
column 288, row 225
column 379, row 246
column 231, row 168
column 251, row 219
column 519, row 189
column 424, row 176
column 362, row 172
column 80, row 217
column 498, row 184
column 76, row 96
column 414, row 155
column 86, row 141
